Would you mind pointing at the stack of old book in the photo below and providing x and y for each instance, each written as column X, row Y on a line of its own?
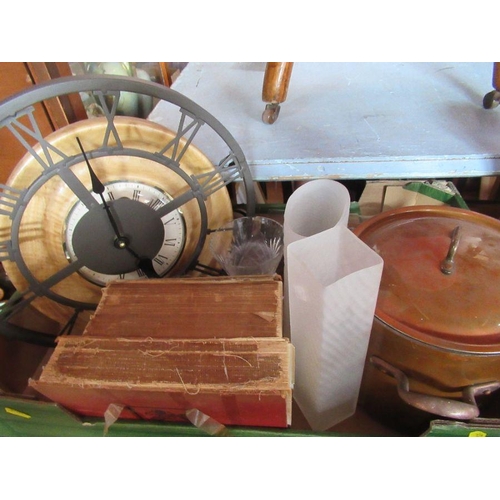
column 160, row 348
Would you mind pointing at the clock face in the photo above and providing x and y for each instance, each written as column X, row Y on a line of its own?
column 110, row 197
column 164, row 237
column 65, row 203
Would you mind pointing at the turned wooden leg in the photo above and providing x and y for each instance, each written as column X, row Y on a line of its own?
column 492, row 99
column 490, row 185
column 275, row 89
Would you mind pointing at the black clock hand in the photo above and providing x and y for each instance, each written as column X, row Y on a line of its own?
column 144, row 264
column 98, row 188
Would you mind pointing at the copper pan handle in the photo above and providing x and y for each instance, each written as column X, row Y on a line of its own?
column 449, row 408
column 448, row 264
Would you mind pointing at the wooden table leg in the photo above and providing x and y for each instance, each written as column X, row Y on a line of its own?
column 490, row 185
column 492, row 99
column 275, row 88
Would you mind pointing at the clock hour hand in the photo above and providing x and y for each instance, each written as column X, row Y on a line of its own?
column 144, row 264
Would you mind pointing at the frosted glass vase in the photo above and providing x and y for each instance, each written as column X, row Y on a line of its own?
column 332, row 281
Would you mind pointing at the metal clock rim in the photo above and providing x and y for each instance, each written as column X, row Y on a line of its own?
column 109, row 83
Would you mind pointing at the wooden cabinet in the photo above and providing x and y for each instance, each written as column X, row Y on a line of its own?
column 51, row 115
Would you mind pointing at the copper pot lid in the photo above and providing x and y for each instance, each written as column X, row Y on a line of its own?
column 441, row 277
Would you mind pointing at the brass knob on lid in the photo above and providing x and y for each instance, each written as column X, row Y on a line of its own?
column 448, row 264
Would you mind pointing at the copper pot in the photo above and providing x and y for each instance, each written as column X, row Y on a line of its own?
column 435, row 343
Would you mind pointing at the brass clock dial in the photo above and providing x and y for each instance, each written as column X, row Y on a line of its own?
column 160, row 239
column 64, row 234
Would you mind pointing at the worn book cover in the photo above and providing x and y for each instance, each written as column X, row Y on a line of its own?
column 220, row 307
column 245, row 381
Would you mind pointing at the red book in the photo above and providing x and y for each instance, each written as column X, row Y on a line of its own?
column 244, row 381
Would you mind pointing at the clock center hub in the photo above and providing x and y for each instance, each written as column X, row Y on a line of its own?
column 121, row 242
column 99, row 248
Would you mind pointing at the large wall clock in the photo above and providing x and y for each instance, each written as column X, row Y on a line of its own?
column 110, row 197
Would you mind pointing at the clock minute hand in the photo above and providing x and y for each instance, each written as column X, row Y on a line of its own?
column 98, row 188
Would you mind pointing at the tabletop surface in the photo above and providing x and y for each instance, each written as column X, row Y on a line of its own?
column 353, row 120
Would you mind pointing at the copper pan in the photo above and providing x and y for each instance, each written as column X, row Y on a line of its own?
column 435, row 345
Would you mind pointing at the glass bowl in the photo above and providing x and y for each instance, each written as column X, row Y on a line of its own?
column 248, row 246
